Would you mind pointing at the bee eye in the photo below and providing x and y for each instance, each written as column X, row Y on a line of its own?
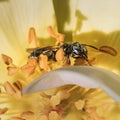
column 76, row 50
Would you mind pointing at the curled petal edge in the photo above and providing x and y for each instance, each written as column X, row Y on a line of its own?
column 84, row 76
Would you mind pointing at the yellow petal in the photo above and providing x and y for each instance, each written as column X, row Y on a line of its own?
column 16, row 19
column 17, row 16
column 104, row 18
column 100, row 29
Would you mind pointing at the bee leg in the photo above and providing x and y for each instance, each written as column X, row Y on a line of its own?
column 88, row 61
column 66, row 61
column 82, row 61
column 43, row 62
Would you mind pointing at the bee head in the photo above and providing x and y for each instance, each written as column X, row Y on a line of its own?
column 78, row 50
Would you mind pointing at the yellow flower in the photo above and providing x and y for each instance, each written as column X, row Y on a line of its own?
column 88, row 22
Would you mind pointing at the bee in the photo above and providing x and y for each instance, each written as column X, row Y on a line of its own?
column 61, row 53
column 75, row 50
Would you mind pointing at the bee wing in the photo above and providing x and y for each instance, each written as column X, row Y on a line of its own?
column 55, row 48
column 29, row 50
column 44, row 50
column 108, row 50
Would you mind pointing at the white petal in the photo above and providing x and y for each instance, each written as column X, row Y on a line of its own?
column 84, row 76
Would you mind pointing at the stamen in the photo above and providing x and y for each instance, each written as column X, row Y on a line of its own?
column 27, row 114
column 18, row 88
column 9, row 88
column 80, row 104
column 51, row 32
column 53, row 115
column 12, row 70
column 59, row 55
column 58, row 36
column 29, row 68
column 93, row 114
column 18, row 85
column 7, row 60
column 109, row 50
column 17, row 118
column 43, row 62
column 72, row 88
column 3, row 110
column 63, row 94
column 12, row 89
column 32, row 38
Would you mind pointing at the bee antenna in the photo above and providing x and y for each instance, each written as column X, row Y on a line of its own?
column 91, row 46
